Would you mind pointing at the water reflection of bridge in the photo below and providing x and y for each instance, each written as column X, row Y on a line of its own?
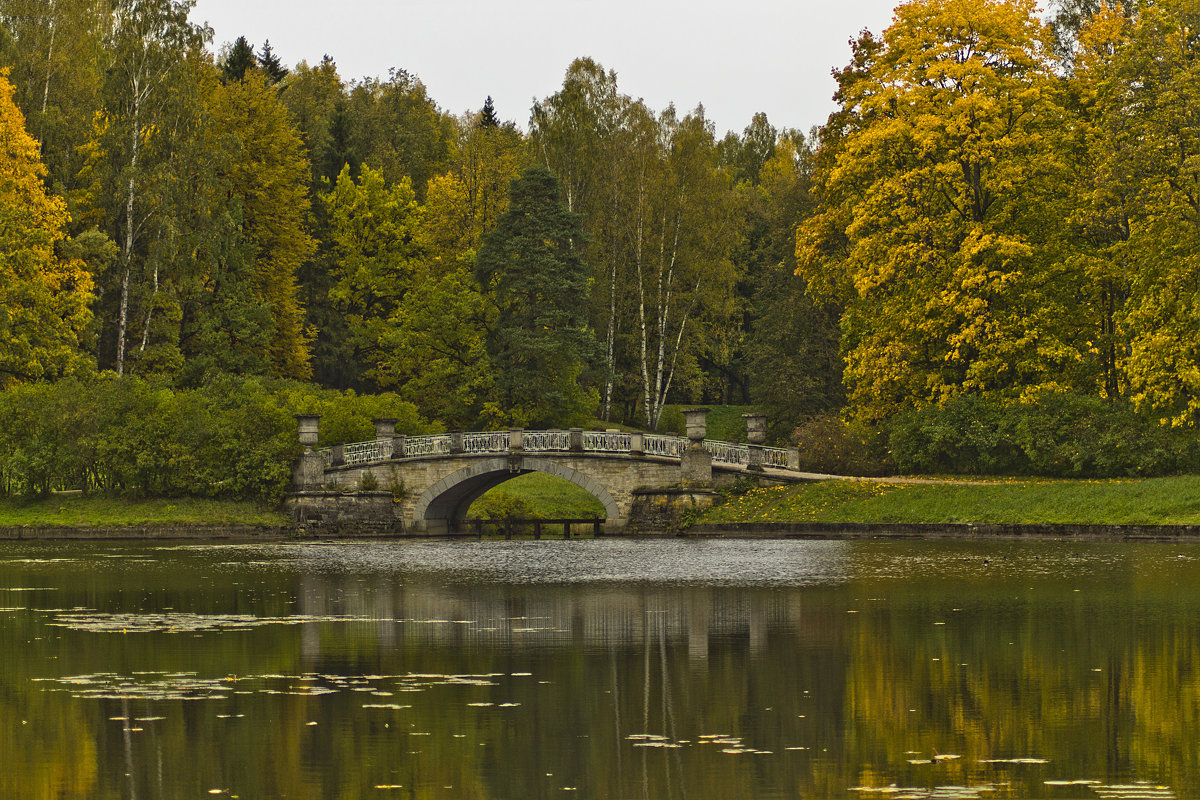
column 557, row 616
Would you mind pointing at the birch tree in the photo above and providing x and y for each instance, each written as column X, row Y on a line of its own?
column 144, row 111
column 55, row 49
column 688, row 221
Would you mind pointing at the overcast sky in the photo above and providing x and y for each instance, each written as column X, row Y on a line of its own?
column 736, row 57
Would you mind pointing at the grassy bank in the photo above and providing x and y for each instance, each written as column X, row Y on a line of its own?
column 1153, row 501
column 77, row 511
column 538, row 494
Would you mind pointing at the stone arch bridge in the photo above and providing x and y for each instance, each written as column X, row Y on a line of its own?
column 425, row 484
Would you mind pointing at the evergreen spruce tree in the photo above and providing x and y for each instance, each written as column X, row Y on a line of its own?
column 272, row 67
column 239, row 59
column 487, row 117
column 541, row 345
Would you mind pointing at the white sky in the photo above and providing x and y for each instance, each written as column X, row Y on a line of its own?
column 736, row 58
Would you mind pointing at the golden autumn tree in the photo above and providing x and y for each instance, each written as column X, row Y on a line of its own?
column 936, row 232
column 269, row 174
column 1139, row 77
column 44, row 298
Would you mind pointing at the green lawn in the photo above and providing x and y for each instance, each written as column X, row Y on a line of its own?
column 76, row 511
column 542, row 495
column 1152, row 501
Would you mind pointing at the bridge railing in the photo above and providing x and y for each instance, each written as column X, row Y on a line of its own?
column 548, row 441
column 438, row 445
column 487, row 442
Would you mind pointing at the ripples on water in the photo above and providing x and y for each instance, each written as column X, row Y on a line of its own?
column 606, row 668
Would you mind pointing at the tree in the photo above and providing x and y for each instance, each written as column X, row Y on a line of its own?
column 145, row 105
column 398, row 130
column 688, row 220
column 316, row 99
column 271, row 66
column 44, row 297
column 269, row 177
column 937, row 230
column 370, row 256
column 1141, row 76
column 237, row 60
column 530, row 268
column 55, row 49
column 487, row 117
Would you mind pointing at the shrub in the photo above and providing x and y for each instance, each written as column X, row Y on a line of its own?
column 1052, row 435
column 828, row 444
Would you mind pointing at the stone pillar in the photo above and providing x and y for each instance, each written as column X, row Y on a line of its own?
column 756, row 434
column 309, row 473
column 637, row 443
column 337, row 455
column 695, row 465
column 576, row 440
column 456, row 442
column 398, row 446
column 385, row 428
column 516, row 438
column 794, row 458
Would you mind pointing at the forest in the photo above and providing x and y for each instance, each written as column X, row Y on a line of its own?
column 987, row 259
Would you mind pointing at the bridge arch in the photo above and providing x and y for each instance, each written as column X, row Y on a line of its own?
column 449, row 498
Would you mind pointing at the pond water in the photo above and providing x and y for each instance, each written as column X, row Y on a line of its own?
column 600, row 669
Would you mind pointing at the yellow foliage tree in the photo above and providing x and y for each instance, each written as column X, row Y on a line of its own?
column 934, row 233
column 270, row 175
column 44, row 298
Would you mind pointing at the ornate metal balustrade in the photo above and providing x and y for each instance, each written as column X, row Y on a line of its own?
column 607, row 442
column 551, row 442
column 489, row 442
column 727, row 452
column 546, row 441
column 775, row 457
column 427, row 445
column 669, row 446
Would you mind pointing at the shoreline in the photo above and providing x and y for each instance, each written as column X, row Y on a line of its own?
column 962, row 531
column 956, row 531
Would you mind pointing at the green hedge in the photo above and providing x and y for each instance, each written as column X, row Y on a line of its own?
column 231, row 438
column 1057, row 435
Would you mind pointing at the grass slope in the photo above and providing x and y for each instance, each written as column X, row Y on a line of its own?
column 1154, row 501
column 549, row 496
column 77, row 511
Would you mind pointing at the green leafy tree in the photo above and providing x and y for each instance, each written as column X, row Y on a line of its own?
column 530, row 268
column 56, row 51
column 147, row 101
column 269, row 176
column 370, row 256
column 396, row 129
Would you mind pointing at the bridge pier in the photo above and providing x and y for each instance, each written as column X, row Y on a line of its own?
column 695, row 464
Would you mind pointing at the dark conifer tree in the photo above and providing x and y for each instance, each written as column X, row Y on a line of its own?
column 239, row 59
column 270, row 63
column 488, row 118
column 541, row 345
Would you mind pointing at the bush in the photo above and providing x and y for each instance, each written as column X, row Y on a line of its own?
column 827, row 444
column 1052, row 435
column 230, row 438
